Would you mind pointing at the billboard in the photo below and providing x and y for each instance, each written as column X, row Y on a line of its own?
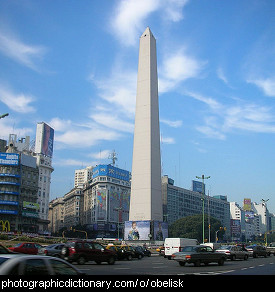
column 9, row 159
column 109, row 170
column 30, row 205
column 101, row 204
column 160, row 230
column 137, row 230
column 44, row 139
column 197, row 186
column 247, row 204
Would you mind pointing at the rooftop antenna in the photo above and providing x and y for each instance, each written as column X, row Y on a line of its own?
column 113, row 157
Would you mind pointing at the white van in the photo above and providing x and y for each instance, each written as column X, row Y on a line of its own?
column 172, row 245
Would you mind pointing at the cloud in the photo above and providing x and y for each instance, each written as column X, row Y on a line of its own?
column 167, row 140
column 129, row 17
column 173, row 124
column 178, row 67
column 18, row 102
column 223, row 118
column 103, row 154
column 27, row 55
column 7, row 126
column 266, row 85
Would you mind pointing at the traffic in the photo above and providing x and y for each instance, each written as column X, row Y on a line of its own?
column 80, row 257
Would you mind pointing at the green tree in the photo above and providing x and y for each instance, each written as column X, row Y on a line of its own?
column 191, row 227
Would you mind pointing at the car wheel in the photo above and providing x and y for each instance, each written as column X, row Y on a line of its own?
column 221, row 262
column 129, row 257
column 111, row 261
column 81, row 260
column 233, row 257
column 246, row 257
column 139, row 256
column 182, row 264
column 197, row 263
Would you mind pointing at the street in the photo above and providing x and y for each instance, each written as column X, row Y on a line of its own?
column 158, row 265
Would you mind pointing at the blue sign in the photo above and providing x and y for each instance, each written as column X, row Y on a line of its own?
column 109, row 170
column 12, row 212
column 197, row 186
column 9, row 159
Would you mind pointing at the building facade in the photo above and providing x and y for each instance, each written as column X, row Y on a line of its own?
column 179, row 202
column 106, row 201
column 56, row 215
column 82, row 176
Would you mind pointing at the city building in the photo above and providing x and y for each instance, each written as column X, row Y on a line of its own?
column 179, row 202
column 73, row 207
column 237, row 222
column 82, row 176
column 43, row 153
column 106, row 201
column 18, row 188
column 146, row 201
column 56, row 215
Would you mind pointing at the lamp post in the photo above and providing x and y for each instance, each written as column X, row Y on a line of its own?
column 203, row 190
column 118, row 209
column 265, row 212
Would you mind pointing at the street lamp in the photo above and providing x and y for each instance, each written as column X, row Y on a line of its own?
column 203, row 190
column 4, row 115
column 265, row 212
column 118, row 209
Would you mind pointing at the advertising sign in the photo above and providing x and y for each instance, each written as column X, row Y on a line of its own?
column 137, row 230
column 44, row 139
column 9, row 159
column 160, row 230
column 247, row 204
column 101, row 204
column 109, row 170
column 30, row 205
column 197, row 186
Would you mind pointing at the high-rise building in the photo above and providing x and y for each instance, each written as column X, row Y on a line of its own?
column 82, row 176
column 146, row 200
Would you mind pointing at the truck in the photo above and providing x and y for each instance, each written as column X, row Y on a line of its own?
column 271, row 248
column 172, row 245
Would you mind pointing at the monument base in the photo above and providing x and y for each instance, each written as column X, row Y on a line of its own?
column 145, row 230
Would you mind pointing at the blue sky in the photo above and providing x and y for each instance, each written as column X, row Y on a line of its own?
column 73, row 65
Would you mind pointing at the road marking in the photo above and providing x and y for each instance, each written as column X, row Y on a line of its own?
column 261, row 265
column 244, row 269
column 251, row 267
column 121, row 268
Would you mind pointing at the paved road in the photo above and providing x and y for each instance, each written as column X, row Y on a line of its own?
column 157, row 265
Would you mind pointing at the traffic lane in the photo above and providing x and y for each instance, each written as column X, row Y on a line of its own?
column 157, row 265
column 257, row 269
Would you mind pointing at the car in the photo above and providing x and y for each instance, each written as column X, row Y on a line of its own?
column 161, row 250
column 137, row 252
column 234, row 252
column 198, row 254
column 257, row 250
column 54, row 250
column 121, row 252
column 32, row 265
column 83, row 251
column 145, row 251
column 28, row 248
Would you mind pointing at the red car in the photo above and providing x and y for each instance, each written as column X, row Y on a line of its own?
column 27, row 247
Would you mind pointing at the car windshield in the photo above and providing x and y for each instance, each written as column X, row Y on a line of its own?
column 189, row 248
column 18, row 244
column 225, row 247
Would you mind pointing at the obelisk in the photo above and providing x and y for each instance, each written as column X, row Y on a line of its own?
column 146, row 198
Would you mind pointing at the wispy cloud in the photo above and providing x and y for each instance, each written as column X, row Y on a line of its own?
column 223, row 119
column 173, row 124
column 15, row 49
column 103, row 154
column 266, row 85
column 130, row 15
column 18, row 102
column 178, row 67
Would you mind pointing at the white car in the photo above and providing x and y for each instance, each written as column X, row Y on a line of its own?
column 19, row 264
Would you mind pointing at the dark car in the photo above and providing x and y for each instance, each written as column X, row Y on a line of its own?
column 121, row 252
column 33, row 265
column 83, row 251
column 145, row 251
column 257, row 250
column 27, row 248
column 198, row 254
column 138, row 253
column 54, row 250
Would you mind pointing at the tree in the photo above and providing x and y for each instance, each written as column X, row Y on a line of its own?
column 191, row 227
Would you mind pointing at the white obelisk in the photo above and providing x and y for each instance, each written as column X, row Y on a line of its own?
column 146, row 198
